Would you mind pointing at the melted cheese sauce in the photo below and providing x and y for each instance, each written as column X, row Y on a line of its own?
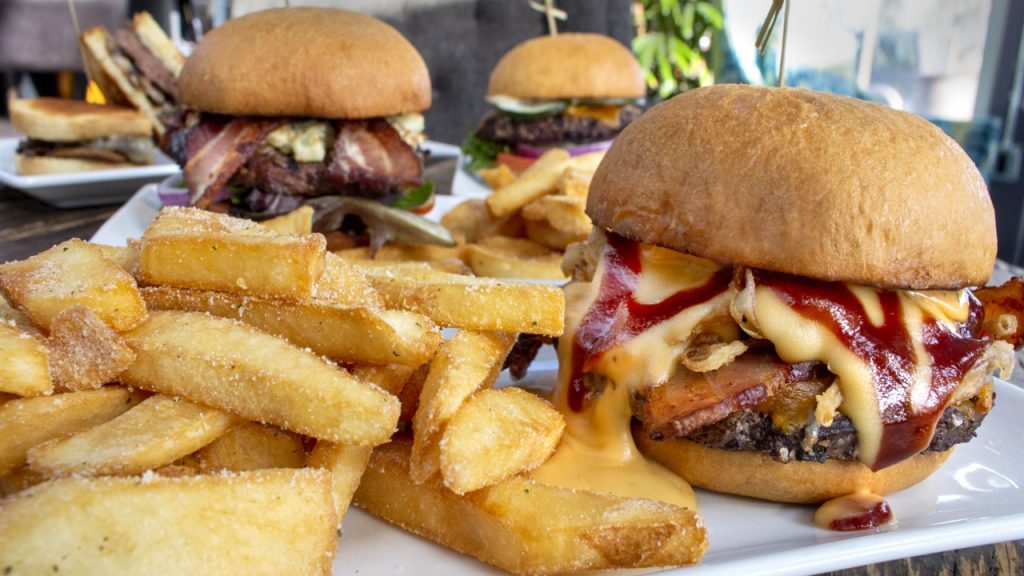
column 597, row 452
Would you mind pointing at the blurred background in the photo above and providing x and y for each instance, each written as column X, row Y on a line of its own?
column 959, row 63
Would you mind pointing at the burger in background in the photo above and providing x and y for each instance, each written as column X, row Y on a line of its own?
column 573, row 91
column 295, row 106
column 136, row 66
column 779, row 290
column 72, row 136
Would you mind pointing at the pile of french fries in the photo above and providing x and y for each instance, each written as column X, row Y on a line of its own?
column 522, row 228
column 210, row 398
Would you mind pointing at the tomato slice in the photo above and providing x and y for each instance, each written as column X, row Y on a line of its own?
column 515, row 162
column 426, row 206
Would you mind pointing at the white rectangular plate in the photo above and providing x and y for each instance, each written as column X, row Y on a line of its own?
column 976, row 498
column 81, row 189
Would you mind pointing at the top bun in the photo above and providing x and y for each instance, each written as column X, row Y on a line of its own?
column 305, row 62
column 568, row 66
column 800, row 182
column 59, row 120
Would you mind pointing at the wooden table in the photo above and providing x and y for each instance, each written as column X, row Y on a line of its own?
column 28, row 226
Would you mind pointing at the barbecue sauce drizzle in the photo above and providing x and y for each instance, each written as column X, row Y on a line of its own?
column 888, row 351
column 616, row 316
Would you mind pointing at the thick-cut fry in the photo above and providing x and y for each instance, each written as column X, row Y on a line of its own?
column 29, row 422
column 403, row 253
column 74, row 272
column 586, row 163
column 20, row 479
column 495, row 435
column 16, row 318
column 466, row 362
column 84, row 352
column 526, row 527
column 449, row 265
column 410, row 394
column 346, row 464
column 24, row 362
column 539, row 179
column 251, row 446
column 496, row 262
column 231, row 366
column 156, row 432
column 193, row 248
column 298, row 221
column 127, row 257
column 344, row 285
column 269, row 522
column 391, row 377
column 564, row 213
column 472, row 303
column 347, row 334
column 541, row 232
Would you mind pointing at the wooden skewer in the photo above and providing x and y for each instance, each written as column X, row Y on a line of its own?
column 551, row 12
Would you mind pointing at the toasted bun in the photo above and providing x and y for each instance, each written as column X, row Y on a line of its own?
column 800, row 182
column 755, row 474
column 59, row 120
column 35, row 165
column 116, row 86
column 306, row 62
column 568, row 66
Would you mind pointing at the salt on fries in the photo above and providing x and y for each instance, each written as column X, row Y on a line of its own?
column 231, row 387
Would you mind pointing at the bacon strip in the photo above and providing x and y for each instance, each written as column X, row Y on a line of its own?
column 692, row 400
column 210, row 169
column 371, row 155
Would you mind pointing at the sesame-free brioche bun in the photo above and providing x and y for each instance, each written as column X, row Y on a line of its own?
column 800, row 182
column 755, row 474
column 568, row 66
column 61, row 120
column 305, row 62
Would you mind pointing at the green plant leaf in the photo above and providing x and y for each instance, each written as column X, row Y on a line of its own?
column 710, row 14
column 481, row 152
column 686, row 21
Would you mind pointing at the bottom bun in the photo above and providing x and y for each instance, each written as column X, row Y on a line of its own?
column 755, row 474
column 35, row 165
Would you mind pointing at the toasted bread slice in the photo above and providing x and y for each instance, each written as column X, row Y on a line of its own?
column 154, row 38
column 112, row 80
column 60, row 120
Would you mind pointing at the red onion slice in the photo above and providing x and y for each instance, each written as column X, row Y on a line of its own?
column 172, row 191
column 528, row 151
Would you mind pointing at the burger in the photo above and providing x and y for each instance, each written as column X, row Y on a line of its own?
column 136, row 66
column 72, row 136
column 573, row 91
column 315, row 106
column 780, row 291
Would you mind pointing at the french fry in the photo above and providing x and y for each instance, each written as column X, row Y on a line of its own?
column 346, row 464
column 24, row 363
column 495, row 435
column 251, row 446
column 228, row 365
column 403, row 253
column 529, row 260
column 564, row 213
column 449, row 265
column 156, row 432
column 84, row 352
column 526, row 527
column 192, row 248
column 298, row 221
column 539, row 179
column 541, row 232
column 471, row 303
column 466, row 362
column 344, row 285
column 20, row 479
column 16, row 318
column 127, row 257
column 410, row 394
column 575, row 182
column 471, row 220
column 74, row 272
column 498, row 176
column 29, row 422
column 269, row 522
column 391, row 377
column 586, row 163
column 358, row 335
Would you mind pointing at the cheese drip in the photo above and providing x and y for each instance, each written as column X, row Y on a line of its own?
column 597, row 452
column 898, row 356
